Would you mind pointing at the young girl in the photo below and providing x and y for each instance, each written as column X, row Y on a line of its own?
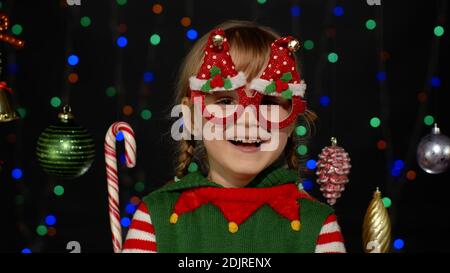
column 245, row 196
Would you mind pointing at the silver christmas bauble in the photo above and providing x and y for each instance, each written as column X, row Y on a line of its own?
column 433, row 152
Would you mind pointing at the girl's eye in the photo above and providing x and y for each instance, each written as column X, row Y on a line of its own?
column 224, row 101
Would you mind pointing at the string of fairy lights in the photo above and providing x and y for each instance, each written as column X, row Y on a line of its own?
column 398, row 168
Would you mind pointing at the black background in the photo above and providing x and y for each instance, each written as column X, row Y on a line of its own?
column 419, row 211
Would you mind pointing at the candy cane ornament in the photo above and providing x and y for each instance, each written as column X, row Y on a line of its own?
column 112, row 175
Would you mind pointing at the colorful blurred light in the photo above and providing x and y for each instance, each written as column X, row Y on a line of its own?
column 146, row 114
column 438, row 31
column 325, row 101
column 125, row 222
column 375, row 122
column 50, row 220
column 307, row 184
column 85, row 21
column 295, row 10
column 398, row 244
column 338, row 11
column 308, row 44
column 311, row 164
column 192, row 34
column 333, row 57
column 193, row 167
column 148, row 76
column 73, row 60
column 155, row 39
column 300, row 130
column 122, row 41
column 55, row 102
column 371, row 24
column 428, row 120
column 58, row 190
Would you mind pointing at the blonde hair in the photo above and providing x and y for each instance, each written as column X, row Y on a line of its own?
column 249, row 49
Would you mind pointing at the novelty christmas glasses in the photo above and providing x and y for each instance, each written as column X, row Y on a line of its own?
column 276, row 97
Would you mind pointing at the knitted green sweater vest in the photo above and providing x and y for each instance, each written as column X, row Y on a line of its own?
column 205, row 229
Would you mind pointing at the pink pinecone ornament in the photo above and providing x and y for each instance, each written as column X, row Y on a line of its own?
column 333, row 168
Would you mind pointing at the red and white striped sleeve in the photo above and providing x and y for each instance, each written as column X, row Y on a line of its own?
column 330, row 238
column 141, row 235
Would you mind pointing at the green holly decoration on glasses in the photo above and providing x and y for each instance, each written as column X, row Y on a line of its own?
column 216, row 80
column 281, row 86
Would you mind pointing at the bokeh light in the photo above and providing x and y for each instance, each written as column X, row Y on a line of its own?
column 157, row 8
column 73, row 60
column 381, row 144
column 193, row 167
column 386, row 202
column 411, row 175
column 435, row 81
column 428, row 120
column 125, row 222
column 192, row 34
column 148, row 76
column 85, row 21
column 41, row 230
column 50, row 220
column 439, row 31
column 127, row 110
column 338, row 11
column 16, row 29
column 307, row 184
column 146, row 114
column 371, row 24
column 17, row 173
column 155, row 39
column 119, row 136
column 333, row 57
column 185, row 21
column 111, row 91
column 324, row 101
column 308, row 44
column 398, row 244
column 130, row 208
column 122, row 41
column 58, row 190
column 302, row 149
column 73, row 78
column 375, row 122
column 26, row 251
column 296, row 10
column 311, row 164
column 300, row 130
column 55, row 102
column 381, row 76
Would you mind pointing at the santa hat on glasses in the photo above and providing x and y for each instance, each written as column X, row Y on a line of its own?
column 280, row 77
column 217, row 72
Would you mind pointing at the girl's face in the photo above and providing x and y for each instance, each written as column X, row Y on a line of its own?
column 244, row 155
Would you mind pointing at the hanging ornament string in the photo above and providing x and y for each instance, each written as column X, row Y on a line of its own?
column 112, row 175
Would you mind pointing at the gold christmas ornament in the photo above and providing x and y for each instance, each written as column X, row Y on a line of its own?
column 376, row 227
column 7, row 112
column 294, row 45
column 217, row 40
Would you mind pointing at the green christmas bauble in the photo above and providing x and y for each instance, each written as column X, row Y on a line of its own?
column 65, row 149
